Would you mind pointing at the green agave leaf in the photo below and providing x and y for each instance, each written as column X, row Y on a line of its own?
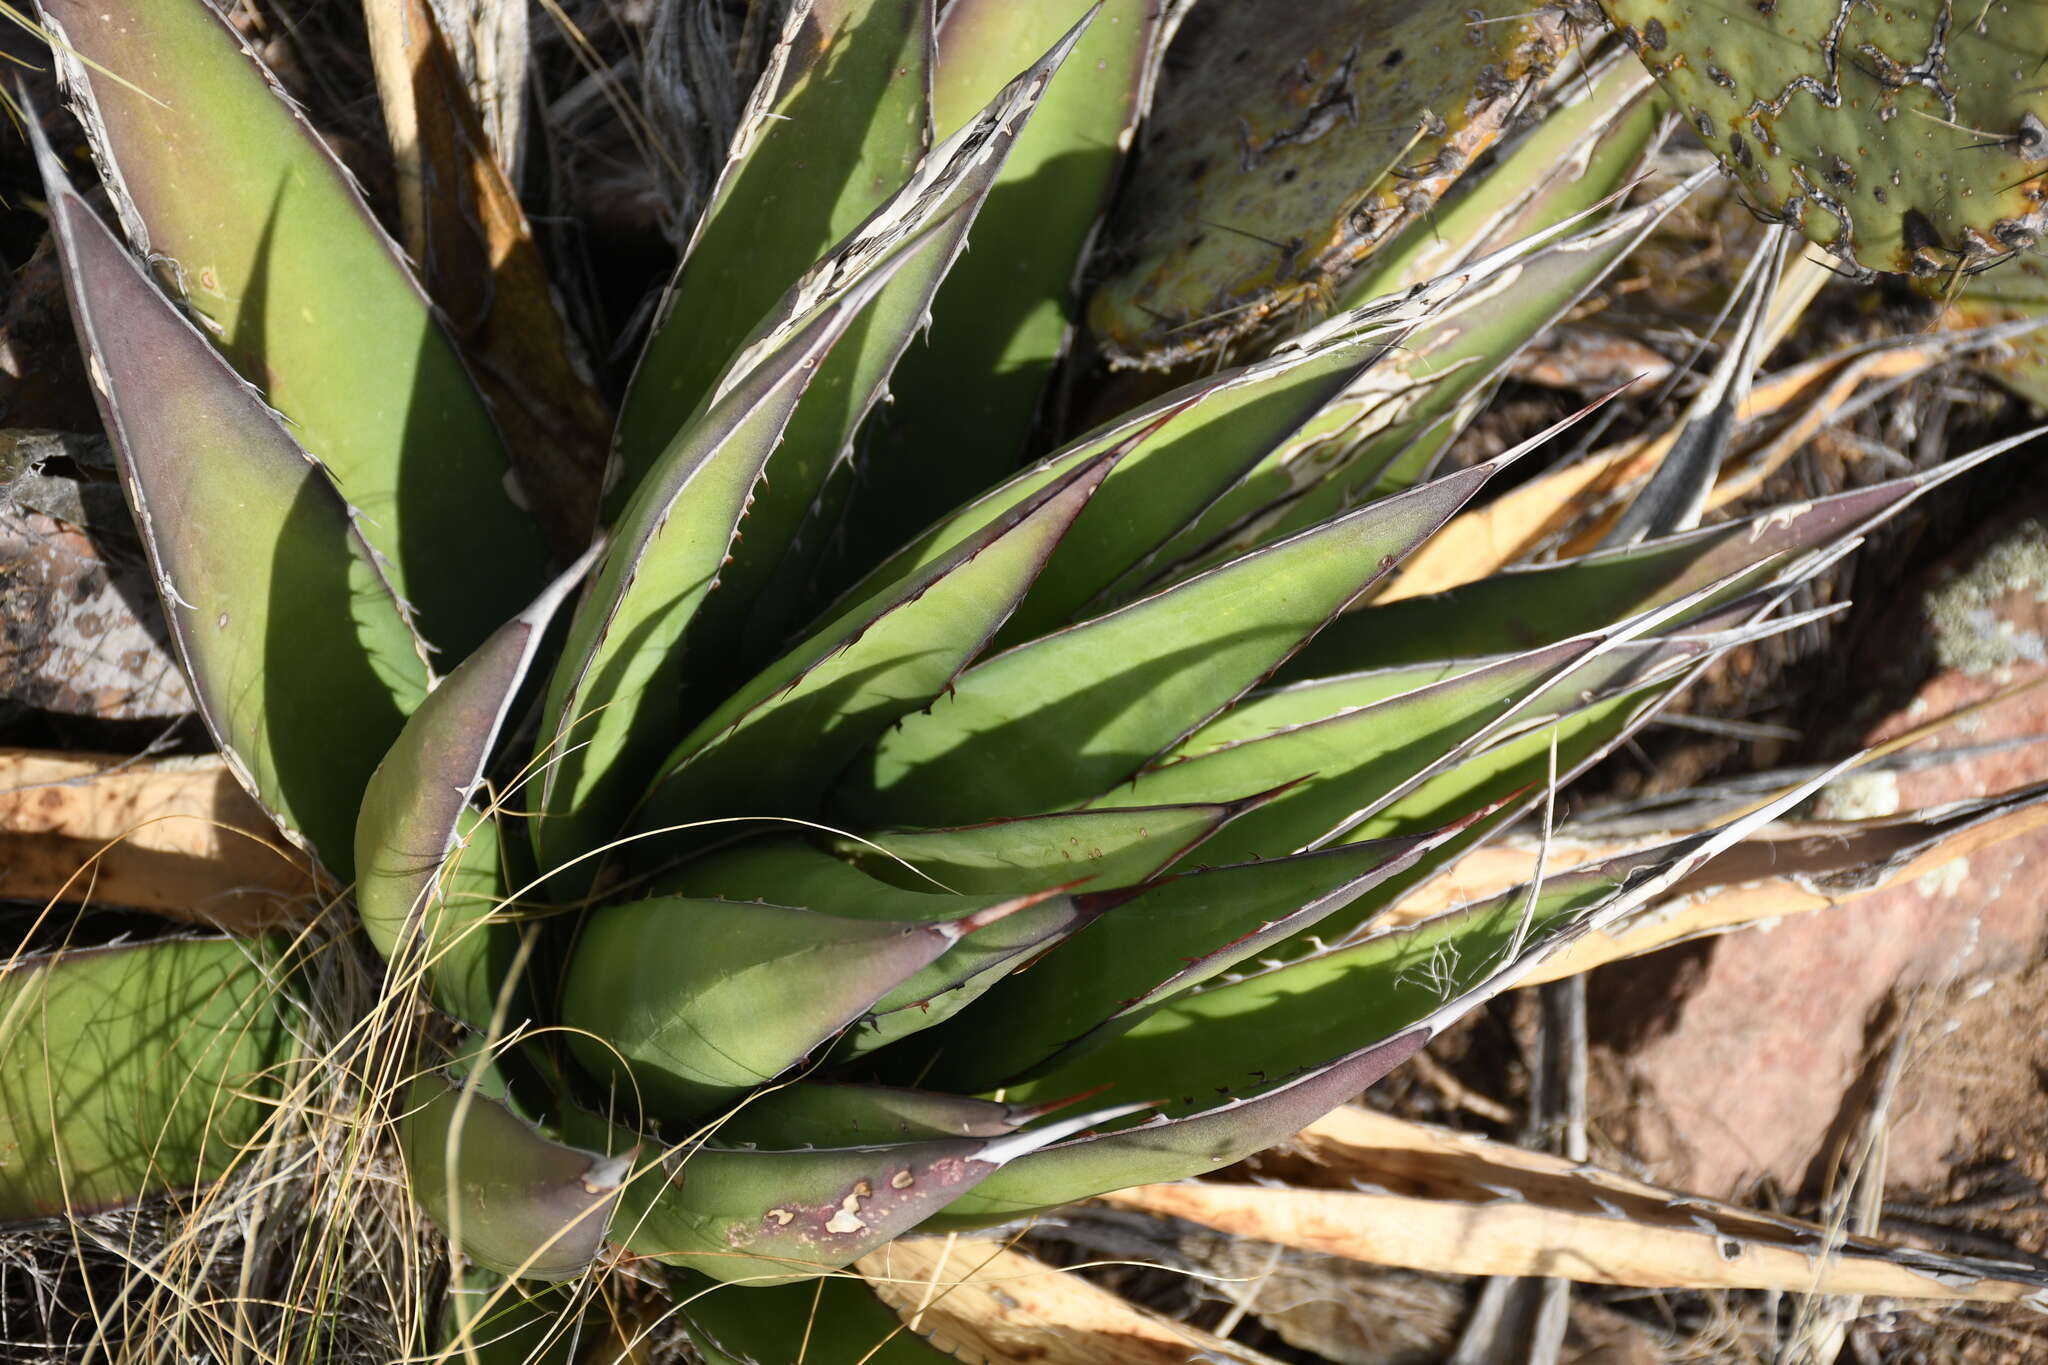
column 621, row 669
column 1066, row 717
column 965, row 399
column 1584, row 711
column 1116, row 846
column 415, row 894
column 960, row 977
column 1145, row 945
column 1347, row 766
column 1273, row 709
column 1386, row 430
column 1508, row 778
column 302, row 658
column 1521, row 608
column 784, row 869
column 1636, row 648
column 622, row 673
column 1400, row 989
column 1175, row 453
column 773, row 579
column 1587, row 145
column 513, row 1200
column 1353, row 762
column 834, row 127
column 667, row 994
column 1161, row 495
column 128, row 1071
column 1512, row 774
column 1423, row 975
column 1269, row 714
column 772, row 747
column 930, row 997
column 833, row 1321
column 768, row 1217
column 793, row 871
column 220, row 179
column 1193, row 1143
column 824, row 1114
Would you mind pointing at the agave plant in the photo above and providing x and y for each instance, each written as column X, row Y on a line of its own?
column 903, row 827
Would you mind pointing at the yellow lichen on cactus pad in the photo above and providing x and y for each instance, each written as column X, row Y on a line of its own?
column 1907, row 136
column 1271, row 169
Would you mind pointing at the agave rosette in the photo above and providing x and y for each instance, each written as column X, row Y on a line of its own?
column 883, row 795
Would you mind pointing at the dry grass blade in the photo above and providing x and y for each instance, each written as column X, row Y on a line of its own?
column 476, row 252
column 308, row 1249
column 176, row 836
column 1427, row 1198
column 989, row 1305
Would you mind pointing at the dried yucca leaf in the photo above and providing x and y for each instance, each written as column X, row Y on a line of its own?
column 1401, row 1193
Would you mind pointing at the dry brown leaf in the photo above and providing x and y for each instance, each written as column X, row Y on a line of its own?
column 176, row 836
column 1427, row 1198
column 990, row 1305
column 464, row 227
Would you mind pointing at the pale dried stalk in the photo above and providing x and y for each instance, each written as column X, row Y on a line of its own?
column 989, row 1305
column 176, row 836
column 1430, row 1199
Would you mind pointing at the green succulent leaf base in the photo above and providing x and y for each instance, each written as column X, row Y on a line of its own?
column 898, row 776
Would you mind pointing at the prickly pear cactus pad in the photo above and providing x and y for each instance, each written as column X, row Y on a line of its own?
column 1275, row 164
column 1908, row 136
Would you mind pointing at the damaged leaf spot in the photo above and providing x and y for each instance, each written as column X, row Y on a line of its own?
column 847, row 1219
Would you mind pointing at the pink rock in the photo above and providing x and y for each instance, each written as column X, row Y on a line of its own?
column 1746, row 1064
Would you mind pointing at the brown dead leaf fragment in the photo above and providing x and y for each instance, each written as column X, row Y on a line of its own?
column 464, row 228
